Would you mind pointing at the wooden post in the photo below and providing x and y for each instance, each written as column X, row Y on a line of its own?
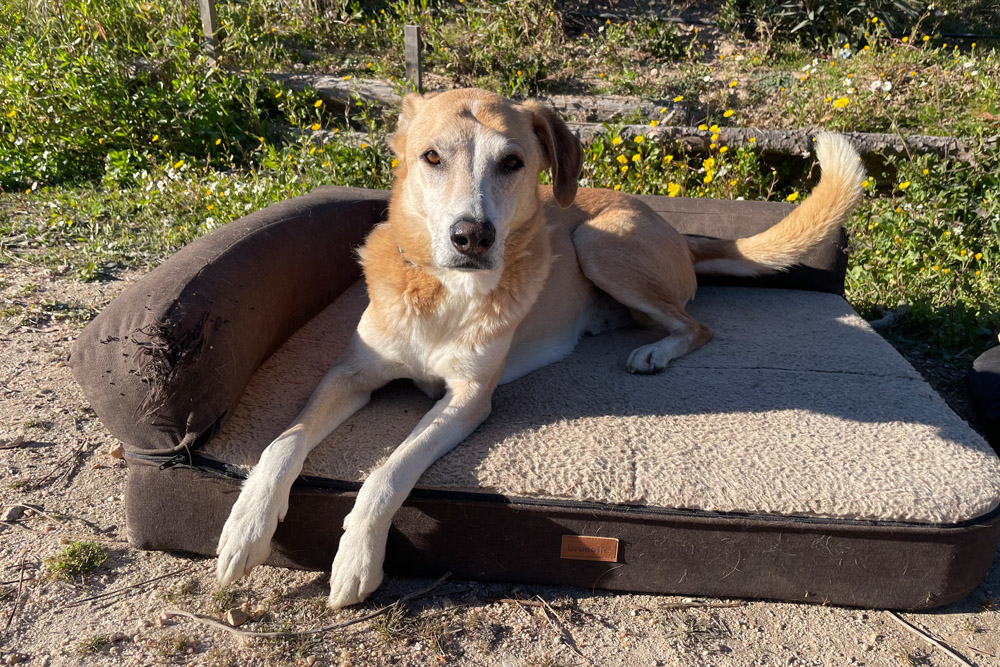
column 210, row 26
column 411, row 35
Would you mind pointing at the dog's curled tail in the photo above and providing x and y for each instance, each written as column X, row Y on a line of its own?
column 816, row 220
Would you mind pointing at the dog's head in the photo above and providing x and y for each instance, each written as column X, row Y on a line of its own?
column 468, row 171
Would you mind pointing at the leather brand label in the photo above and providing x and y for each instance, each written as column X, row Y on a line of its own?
column 581, row 547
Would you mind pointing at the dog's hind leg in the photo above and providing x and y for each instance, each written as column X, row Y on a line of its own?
column 645, row 264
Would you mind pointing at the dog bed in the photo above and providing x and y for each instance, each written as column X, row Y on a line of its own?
column 797, row 456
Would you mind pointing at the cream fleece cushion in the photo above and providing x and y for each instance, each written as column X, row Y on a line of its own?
column 795, row 408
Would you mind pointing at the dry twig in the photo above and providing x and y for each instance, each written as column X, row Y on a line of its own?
column 929, row 639
column 218, row 625
column 17, row 598
column 564, row 633
column 124, row 589
column 79, row 449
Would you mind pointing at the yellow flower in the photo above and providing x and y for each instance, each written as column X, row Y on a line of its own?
column 155, row 138
column 964, row 253
column 218, row 141
column 708, row 178
column 714, row 129
column 654, row 123
column 926, row 37
column 864, row 183
column 904, row 185
column 209, row 207
column 622, row 159
column 618, row 186
column 394, row 162
column 663, row 109
column 679, row 98
column 326, row 164
column 616, row 141
column 636, row 157
column 728, row 113
column 668, row 159
column 732, row 84
column 12, row 112
column 639, row 139
column 724, row 149
column 703, row 127
column 905, row 40
column 673, row 189
column 624, row 169
column 936, row 267
column 364, row 145
column 978, row 255
column 179, row 164
column 318, row 104
column 841, row 102
column 315, row 126
column 792, row 197
column 277, row 95
column 753, row 140
column 708, row 163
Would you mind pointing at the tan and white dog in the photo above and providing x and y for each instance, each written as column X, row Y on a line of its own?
column 480, row 276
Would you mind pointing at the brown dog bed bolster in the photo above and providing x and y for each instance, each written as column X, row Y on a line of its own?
column 167, row 359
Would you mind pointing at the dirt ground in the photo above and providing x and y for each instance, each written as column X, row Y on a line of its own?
column 72, row 487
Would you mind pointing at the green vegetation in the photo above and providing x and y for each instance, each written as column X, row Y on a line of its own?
column 94, row 644
column 77, row 559
column 120, row 142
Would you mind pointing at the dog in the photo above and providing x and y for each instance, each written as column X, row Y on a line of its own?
column 481, row 275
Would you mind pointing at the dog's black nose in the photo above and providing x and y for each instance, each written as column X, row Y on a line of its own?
column 471, row 237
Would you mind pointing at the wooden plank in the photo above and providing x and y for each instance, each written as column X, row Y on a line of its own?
column 210, row 26
column 411, row 38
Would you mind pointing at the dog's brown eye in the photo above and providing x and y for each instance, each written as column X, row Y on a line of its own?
column 431, row 157
column 510, row 164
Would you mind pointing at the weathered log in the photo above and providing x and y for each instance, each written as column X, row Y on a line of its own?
column 342, row 91
column 790, row 142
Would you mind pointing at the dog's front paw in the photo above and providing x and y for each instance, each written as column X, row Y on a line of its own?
column 357, row 567
column 650, row 358
column 245, row 542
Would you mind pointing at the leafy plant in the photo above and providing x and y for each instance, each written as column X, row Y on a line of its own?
column 820, row 23
column 77, row 559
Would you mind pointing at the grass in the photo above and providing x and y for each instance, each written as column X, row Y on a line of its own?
column 76, row 560
column 120, row 142
column 94, row 643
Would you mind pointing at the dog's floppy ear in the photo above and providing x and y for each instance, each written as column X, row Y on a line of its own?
column 562, row 148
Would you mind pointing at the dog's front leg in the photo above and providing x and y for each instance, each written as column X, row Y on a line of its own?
column 245, row 541
column 357, row 568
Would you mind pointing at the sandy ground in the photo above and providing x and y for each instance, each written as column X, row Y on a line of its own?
column 72, row 487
